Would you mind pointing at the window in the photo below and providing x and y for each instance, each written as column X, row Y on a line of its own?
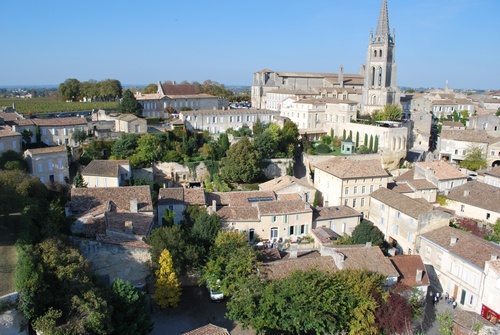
column 291, row 230
column 410, row 237
column 462, row 208
column 410, row 221
column 347, row 190
column 382, row 207
column 382, row 221
column 40, row 167
column 273, row 219
column 60, row 164
column 471, row 299
column 353, row 203
column 371, row 188
column 346, row 202
column 488, row 215
column 363, row 189
column 303, row 229
column 355, row 189
column 398, row 215
column 285, row 218
column 343, row 227
column 362, row 202
column 395, row 229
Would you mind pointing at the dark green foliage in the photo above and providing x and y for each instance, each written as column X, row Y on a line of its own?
column 168, row 218
column 350, row 134
column 78, row 180
column 367, row 232
column 475, row 159
column 365, row 143
column 175, row 240
column 257, row 128
column 12, row 156
column 370, row 147
column 357, row 139
column 344, row 135
column 375, row 146
column 266, row 145
column 130, row 315
column 322, row 148
column 15, row 165
column 392, row 112
column 362, row 149
column 78, row 136
column 129, row 104
column 316, row 199
column 70, row 89
column 151, row 88
column 125, row 146
column 242, row 163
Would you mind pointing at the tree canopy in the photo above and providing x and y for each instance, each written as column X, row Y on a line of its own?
column 475, row 159
column 242, row 162
column 129, row 104
column 74, row 90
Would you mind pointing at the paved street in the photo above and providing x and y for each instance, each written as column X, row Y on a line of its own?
column 429, row 324
column 195, row 310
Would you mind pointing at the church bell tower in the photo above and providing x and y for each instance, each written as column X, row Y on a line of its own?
column 379, row 87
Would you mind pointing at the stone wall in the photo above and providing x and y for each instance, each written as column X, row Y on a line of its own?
column 179, row 173
column 276, row 167
column 146, row 173
column 116, row 261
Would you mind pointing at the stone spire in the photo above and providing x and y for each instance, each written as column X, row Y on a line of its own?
column 383, row 21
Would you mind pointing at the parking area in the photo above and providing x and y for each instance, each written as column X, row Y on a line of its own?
column 195, row 310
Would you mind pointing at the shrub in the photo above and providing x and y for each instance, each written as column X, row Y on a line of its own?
column 322, row 148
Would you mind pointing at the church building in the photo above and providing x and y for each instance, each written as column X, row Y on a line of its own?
column 372, row 88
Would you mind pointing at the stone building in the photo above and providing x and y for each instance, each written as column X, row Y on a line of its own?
column 48, row 164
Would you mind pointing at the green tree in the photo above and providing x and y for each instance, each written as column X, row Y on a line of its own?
column 357, row 139
column 242, row 162
column 266, row 145
column 257, row 127
column 168, row 218
column 125, row 146
column 150, row 148
column 392, row 112
column 231, row 260
column 370, row 147
column 78, row 136
column 70, row 89
column 11, row 156
column 344, row 135
column 130, row 315
column 445, row 321
column 151, row 88
column 366, row 231
column 129, row 104
column 168, row 288
column 375, row 146
column 475, row 159
column 365, row 143
column 498, row 112
column 78, row 181
column 27, row 135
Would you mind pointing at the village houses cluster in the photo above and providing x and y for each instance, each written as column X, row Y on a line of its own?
column 400, row 202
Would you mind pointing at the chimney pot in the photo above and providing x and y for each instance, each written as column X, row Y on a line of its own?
column 293, row 250
column 419, row 275
column 466, row 193
column 368, row 244
column 453, row 240
column 133, row 205
column 494, row 257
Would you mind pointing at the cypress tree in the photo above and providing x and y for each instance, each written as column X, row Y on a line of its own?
column 357, row 139
column 343, row 135
column 375, row 147
column 365, row 143
column 371, row 143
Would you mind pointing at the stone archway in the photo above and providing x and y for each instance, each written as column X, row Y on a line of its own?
column 495, row 163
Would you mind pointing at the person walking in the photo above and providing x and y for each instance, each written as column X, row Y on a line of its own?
column 454, row 304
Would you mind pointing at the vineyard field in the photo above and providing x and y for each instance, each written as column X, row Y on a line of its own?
column 44, row 105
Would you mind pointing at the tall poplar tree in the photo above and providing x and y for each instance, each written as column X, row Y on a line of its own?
column 168, row 287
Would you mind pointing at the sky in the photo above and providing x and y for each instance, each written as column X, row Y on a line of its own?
column 143, row 42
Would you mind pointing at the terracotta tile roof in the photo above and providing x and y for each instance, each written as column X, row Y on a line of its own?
column 238, row 213
column 404, row 204
column 178, row 89
column 6, row 131
column 282, row 182
column 229, row 112
column 283, row 207
column 283, row 268
column 179, row 195
column 422, row 184
column 104, row 168
column 468, row 246
column 289, row 196
column 444, row 102
column 304, row 254
column 209, row 329
column 194, row 196
column 366, row 257
column 495, row 265
column 128, row 117
column 325, row 235
column 48, row 150
column 408, row 175
column 407, row 266
column 63, row 121
column 400, row 188
column 10, row 116
column 345, row 168
column 141, row 222
column 171, row 196
column 269, row 255
column 477, row 194
column 453, row 124
column 127, row 243
column 469, row 321
column 97, row 199
column 442, row 170
column 468, row 135
column 294, row 92
column 239, row 198
column 191, row 96
column 495, row 171
column 334, row 212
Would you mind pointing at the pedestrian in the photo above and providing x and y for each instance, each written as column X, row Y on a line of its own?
column 454, row 304
column 447, row 297
column 436, row 299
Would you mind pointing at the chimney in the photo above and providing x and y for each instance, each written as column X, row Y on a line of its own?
column 466, row 193
column 453, row 241
column 129, row 227
column 293, row 250
column 368, row 244
column 494, row 257
column 419, row 275
column 133, row 205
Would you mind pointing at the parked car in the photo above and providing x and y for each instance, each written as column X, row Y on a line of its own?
column 215, row 292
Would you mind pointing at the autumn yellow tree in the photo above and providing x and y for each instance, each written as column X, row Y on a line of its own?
column 168, row 288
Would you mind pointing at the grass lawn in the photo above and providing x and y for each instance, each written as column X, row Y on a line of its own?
column 9, row 232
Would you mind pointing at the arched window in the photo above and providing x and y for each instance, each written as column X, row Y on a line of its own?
column 374, row 99
column 380, row 53
column 375, row 53
column 373, row 76
column 380, row 76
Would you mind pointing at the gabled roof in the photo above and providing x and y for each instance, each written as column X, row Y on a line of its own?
column 345, row 168
column 239, row 198
column 333, row 212
column 279, row 183
column 442, row 170
column 363, row 257
column 494, row 171
column 209, row 329
column 6, row 131
column 468, row 246
column 63, row 121
column 468, row 135
column 283, row 207
column 96, row 200
column 404, row 204
column 477, row 194
column 179, row 195
column 239, row 213
column 48, row 150
column 407, row 266
column 283, row 268
column 178, row 89
column 104, row 168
